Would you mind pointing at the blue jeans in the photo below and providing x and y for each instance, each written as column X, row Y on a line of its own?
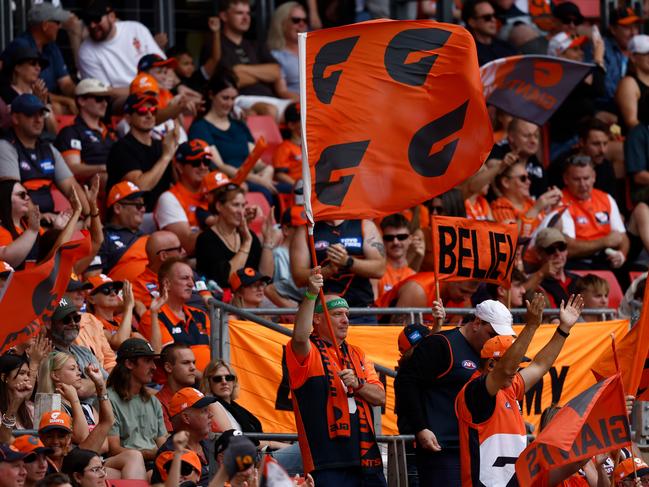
column 290, row 458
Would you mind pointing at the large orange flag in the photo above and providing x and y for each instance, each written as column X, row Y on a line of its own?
column 632, row 352
column 33, row 294
column 593, row 422
column 392, row 115
column 470, row 249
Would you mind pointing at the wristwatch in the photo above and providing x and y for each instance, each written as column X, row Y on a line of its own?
column 103, row 397
column 349, row 263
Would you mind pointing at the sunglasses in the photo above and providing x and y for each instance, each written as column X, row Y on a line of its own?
column 571, row 21
column 298, row 20
column 94, row 19
column 204, row 161
column 97, row 98
column 23, row 195
column 437, row 210
column 523, row 178
column 170, row 249
column 399, row 236
column 222, row 378
column 31, row 62
column 144, row 110
column 557, row 247
column 76, row 317
column 138, row 206
column 107, row 290
column 186, row 469
column 485, row 17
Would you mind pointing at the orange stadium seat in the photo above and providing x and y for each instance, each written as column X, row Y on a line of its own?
column 615, row 293
column 265, row 125
column 61, row 203
column 633, row 275
column 254, row 198
column 63, row 121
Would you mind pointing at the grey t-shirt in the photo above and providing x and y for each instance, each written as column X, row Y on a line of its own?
column 137, row 422
column 282, row 279
column 9, row 168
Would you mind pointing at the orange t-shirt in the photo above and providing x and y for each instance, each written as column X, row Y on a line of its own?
column 391, row 278
column 132, row 263
column 288, row 158
column 480, row 210
column 504, row 211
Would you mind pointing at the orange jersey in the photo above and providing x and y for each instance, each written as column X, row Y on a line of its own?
column 490, row 443
column 132, row 263
column 504, row 211
column 194, row 331
column 287, row 158
column 144, row 285
column 190, row 201
column 391, row 278
column 591, row 217
column 480, row 210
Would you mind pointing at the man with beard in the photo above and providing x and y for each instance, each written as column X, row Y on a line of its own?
column 113, row 48
column 63, row 331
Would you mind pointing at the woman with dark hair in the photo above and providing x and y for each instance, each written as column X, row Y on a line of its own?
column 15, row 390
column 228, row 244
column 85, row 468
column 19, row 225
column 230, row 139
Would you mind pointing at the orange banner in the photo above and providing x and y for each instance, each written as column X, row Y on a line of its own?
column 471, row 249
column 594, row 422
column 365, row 157
column 257, row 355
column 34, row 293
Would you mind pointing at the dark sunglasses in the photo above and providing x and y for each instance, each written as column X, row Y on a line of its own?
column 107, row 290
column 93, row 19
column 204, row 161
column 437, row 210
column 138, row 206
column 23, row 195
column 170, row 249
column 523, row 178
column 221, row 378
column 186, row 469
column 31, row 62
column 557, row 247
column 485, row 17
column 145, row 110
column 572, row 21
column 76, row 317
column 399, row 236
column 97, row 98
column 297, row 20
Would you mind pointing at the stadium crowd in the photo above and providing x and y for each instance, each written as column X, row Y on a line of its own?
column 140, row 145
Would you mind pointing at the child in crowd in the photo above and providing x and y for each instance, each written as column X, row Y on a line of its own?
column 595, row 291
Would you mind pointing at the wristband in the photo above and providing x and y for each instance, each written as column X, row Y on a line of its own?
column 310, row 296
column 103, row 397
column 269, row 246
column 94, row 215
column 564, row 334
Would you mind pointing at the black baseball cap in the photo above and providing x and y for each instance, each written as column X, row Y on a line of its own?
column 10, row 453
column 136, row 100
column 568, row 11
column 95, row 10
column 20, row 54
column 134, row 348
column 149, row 61
column 292, row 113
column 64, row 308
column 246, row 277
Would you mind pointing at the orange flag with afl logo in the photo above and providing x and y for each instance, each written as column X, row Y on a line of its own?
column 632, row 355
column 34, row 293
column 593, row 422
column 470, row 249
column 392, row 115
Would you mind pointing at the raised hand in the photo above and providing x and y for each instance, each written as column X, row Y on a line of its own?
column 94, row 374
column 40, row 348
column 438, row 311
column 127, row 293
column 269, row 230
column 534, row 313
column 569, row 312
column 60, row 220
column 34, row 217
column 316, row 281
column 159, row 302
column 68, row 392
column 92, row 192
column 75, row 202
column 214, row 24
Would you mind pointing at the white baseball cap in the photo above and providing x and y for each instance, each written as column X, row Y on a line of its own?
column 497, row 315
column 639, row 44
column 562, row 41
column 91, row 86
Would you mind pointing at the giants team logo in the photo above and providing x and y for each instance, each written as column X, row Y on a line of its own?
column 469, row 364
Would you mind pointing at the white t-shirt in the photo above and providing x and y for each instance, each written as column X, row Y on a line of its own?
column 115, row 61
column 168, row 210
column 617, row 225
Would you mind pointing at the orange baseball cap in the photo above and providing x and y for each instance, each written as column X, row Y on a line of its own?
column 31, row 444
column 497, row 346
column 122, row 190
column 144, row 83
column 55, row 420
column 163, row 462
column 100, row 280
column 215, row 180
column 625, row 468
column 188, row 397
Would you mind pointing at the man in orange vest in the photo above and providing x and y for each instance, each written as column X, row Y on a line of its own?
column 592, row 224
column 491, row 426
column 176, row 208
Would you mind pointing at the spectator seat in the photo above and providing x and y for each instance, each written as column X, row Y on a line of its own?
column 615, row 293
column 265, row 125
column 61, row 203
column 63, row 121
column 254, row 198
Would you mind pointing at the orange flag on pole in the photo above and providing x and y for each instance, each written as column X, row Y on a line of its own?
column 632, row 352
column 392, row 115
column 593, row 422
column 470, row 249
column 34, row 293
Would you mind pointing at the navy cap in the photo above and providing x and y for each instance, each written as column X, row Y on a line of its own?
column 136, row 100
column 193, row 150
column 9, row 453
column 149, row 61
column 28, row 104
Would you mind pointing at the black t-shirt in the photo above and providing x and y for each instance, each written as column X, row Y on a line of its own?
column 248, row 52
column 92, row 145
column 129, row 154
column 480, row 403
column 496, row 50
column 534, row 168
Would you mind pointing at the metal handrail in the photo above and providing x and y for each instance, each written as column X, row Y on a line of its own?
column 397, row 311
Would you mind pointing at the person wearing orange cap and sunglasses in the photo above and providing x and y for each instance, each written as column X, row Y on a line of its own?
column 491, row 426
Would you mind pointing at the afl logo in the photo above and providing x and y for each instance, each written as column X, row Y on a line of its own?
column 321, row 245
column 469, row 364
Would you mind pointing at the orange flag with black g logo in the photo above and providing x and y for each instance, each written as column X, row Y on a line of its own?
column 392, row 115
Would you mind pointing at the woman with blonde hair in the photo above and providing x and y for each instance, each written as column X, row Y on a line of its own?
column 288, row 20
